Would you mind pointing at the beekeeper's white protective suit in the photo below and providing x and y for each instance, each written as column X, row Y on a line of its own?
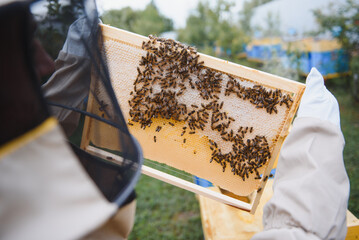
column 45, row 193
column 311, row 187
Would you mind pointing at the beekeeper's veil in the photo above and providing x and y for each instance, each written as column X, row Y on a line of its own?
column 80, row 94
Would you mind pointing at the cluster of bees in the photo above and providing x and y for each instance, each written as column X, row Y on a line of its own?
column 170, row 66
column 259, row 96
column 246, row 156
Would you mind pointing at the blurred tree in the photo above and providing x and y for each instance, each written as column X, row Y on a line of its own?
column 212, row 27
column 257, row 3
column 272, row 29
column 145, row 22
column 123, row 18
column 52, row 28
column 245, row 15
column 342, row 22
column 197, row 27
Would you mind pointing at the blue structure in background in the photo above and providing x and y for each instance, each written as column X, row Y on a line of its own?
column 264, row 52
column 329, row 62
column 205, row 183
column 202, row 182
column 326, row 56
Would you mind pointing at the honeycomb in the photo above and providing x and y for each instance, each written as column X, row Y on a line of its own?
column 172, row 141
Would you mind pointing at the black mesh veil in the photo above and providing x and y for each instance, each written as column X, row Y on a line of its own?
column 81, row 96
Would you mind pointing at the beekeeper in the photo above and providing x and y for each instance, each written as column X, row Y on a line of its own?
column 311, row 186
column 45, row 193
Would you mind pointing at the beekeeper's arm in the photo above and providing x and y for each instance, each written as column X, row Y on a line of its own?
column 70, row 83
column 311, row 186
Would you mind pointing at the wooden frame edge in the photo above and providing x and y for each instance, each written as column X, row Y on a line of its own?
column 238, row 70
column 178, row 182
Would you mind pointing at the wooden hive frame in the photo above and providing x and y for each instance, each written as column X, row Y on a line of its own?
column 264, row 79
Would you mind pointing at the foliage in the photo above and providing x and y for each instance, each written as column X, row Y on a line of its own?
column 145, row 22
column 52, row 29
column 349, row 117
column 210, row 27
column 256, row 3
column 354, row 84
column 245, row 15
column 342, row 22
column 272, row 29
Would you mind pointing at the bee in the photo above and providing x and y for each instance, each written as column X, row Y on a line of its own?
column 265, row 178
column 103, row 106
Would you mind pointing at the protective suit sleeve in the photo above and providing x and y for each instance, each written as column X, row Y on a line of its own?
column 68, row 86
column 311, row 187
column 70, row 83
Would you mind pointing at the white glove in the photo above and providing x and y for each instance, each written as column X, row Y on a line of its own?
column 317, row 101
column 311, row 187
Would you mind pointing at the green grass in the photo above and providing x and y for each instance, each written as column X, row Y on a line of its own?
column 165, row 212
column 349, row 111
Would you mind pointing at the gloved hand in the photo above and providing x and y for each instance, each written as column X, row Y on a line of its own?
column 311, row 187
column 317, row 101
